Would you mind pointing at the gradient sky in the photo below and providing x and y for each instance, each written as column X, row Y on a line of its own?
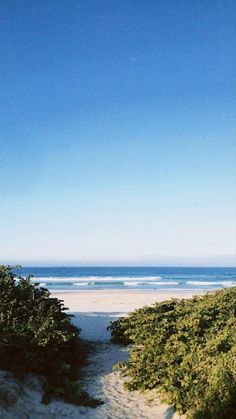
column 118, row 132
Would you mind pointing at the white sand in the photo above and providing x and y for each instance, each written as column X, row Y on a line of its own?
column 93, row 312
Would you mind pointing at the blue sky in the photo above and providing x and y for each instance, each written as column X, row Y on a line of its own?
column 118, row 132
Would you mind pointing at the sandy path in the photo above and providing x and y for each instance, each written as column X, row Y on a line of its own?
column 93, row 313
column 107, row 385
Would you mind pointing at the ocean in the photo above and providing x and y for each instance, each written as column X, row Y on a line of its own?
column 131, row 278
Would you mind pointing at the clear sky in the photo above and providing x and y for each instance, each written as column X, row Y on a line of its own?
column 118, row 132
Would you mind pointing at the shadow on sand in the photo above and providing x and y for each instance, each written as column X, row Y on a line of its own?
column 94, row 325
column 169, row 413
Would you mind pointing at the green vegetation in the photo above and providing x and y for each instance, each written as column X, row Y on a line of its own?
column 37, row 336
column 186, row 349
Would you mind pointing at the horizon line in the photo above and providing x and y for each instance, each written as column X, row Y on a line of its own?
column 127, row 266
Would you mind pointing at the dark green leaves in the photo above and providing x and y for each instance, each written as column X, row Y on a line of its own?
column 37, row 336
column 186, row 349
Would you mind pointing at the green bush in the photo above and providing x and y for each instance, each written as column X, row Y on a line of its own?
column 37, row 336
column 186, row 349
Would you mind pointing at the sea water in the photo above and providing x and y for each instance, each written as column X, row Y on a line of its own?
column 131, row 278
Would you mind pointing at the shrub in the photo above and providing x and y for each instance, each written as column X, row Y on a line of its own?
column 37, row 336
column 186, row 349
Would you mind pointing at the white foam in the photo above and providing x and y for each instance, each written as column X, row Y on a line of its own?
column 159, row 283
column 132, row 284
column 91, row 279
column 80, row 284
column 42, row 284
column 210, row 283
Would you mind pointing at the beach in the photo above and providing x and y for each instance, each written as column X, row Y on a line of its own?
column 118, row 228
column 94, row 310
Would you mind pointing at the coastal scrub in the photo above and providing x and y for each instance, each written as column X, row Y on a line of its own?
column 186, row 349
column 37, row 336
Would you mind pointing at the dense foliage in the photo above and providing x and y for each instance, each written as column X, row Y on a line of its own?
column 37, row 336
column 186, row 349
